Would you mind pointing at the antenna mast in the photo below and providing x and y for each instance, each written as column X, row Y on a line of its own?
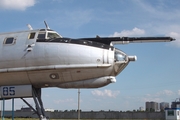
column 47, row 27
column 29, row 26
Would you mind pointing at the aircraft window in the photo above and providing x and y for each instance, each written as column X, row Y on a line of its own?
column 41, row 36
column 9, row 40
column 32, row 35
column 53, row 35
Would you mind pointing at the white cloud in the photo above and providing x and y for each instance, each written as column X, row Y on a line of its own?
column 165, row 92
column 178, row 92
column 149, row 99
column 105, row 93
column 16, row 4
column 159, row 96
column 126, row 33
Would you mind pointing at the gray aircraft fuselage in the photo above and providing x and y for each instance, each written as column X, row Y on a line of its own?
column 43, row 58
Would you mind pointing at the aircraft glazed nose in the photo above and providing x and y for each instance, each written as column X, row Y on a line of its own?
column 132, row 58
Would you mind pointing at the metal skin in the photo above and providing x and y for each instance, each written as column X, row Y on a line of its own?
column 36, row 59
column 55, row 64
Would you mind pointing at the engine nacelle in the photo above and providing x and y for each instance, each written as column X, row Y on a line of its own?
column 91, row 83
column 15, row 91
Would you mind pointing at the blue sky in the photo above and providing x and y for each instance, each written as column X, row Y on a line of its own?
column 153, row 77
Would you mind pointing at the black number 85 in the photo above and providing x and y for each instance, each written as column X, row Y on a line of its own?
column 8, row 91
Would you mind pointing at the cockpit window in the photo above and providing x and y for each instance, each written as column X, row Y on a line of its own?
column 41, row 36
column 47, row 35
column 31, row 35
column 52, row 35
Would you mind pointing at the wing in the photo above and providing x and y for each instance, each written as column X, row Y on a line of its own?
column 126, row 40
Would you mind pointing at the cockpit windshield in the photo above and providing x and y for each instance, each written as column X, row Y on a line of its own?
column 52, row 35
column 119, row 56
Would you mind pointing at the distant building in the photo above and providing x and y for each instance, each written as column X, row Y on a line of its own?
column 25, row 109
column 152, row 106
column 172, row 113
column 141, row 109
column 49, row 110
column 164, row 105
column 175, row 104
